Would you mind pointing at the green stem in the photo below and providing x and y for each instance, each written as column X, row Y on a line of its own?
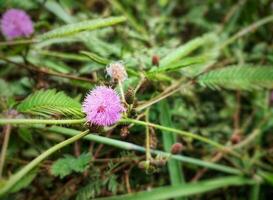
column 19, row 175
column 148, row 152
column 182, row 133
column 121, row 91
column 7, row 130
column 41, row 121
column 126, row 120
column 133, row 147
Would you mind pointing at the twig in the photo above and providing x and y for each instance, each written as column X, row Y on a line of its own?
column 168, row 92
column 6, row 132
column 246, row 30
column 127, row 181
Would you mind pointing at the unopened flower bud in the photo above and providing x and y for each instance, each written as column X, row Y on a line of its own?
column 235, row 138
column 176, row 148
column 155, row 60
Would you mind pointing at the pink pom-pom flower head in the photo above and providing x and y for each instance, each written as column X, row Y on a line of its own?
column 16, row 23
column 102, row 106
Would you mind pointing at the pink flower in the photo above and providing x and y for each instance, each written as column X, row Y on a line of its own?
column 102, row 106
column 16, row 23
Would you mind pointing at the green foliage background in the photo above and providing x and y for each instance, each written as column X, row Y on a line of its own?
column 204, row 67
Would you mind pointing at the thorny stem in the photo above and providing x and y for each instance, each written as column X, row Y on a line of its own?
column 6, row 132
column 125, row 120
column 182, row 133
column 41, row 121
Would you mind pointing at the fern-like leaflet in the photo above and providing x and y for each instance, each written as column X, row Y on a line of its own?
column 71, row 29
column 238, row 77
column 50, row 102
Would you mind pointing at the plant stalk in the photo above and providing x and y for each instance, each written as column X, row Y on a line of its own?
column 7, row 130
column 41, row 121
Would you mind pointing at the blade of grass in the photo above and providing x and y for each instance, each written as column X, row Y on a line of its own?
column 96, row 58
column 186, row 62
column 184, row 190
column 255, row 192
column 59, row 11
column 185, row 49
column 174, row 167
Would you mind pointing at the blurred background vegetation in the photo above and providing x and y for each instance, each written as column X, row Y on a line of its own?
column 224, row 32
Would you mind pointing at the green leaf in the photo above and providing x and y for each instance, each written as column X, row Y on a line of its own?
column 50, row 102
column 74, row 28
column 238, row 77
column 62, row 55
column 268, row 176
column 90, row 190
column 96, row 58
column 5, row 89
column 175, row 169
column 186, row 49
column 187, row 62
column 25, row 134
column 169, row 192
column 58, row 10
column 65, row 166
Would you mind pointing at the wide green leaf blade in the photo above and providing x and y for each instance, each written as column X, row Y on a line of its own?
column 175, row 169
